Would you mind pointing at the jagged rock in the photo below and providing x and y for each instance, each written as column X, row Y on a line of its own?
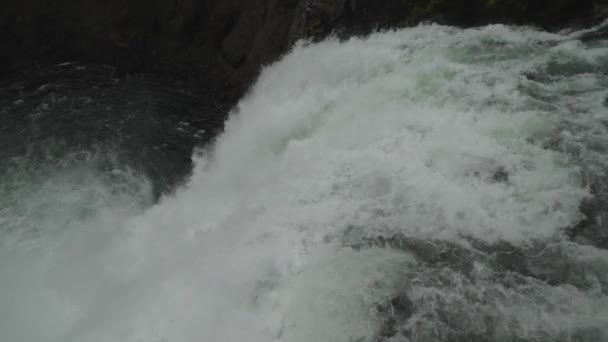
column 229, row 40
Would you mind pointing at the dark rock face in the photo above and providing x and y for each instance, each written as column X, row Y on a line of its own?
column 231, row 39
column 318, row 18
column 228, row 39
column 544, row 13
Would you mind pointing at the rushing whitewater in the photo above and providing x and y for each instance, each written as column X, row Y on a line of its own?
column 428, row 184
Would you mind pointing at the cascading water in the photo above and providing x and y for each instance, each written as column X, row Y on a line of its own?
column 427, row 184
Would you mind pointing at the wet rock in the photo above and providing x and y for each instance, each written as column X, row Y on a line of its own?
column 317, row 18
column 543, row 13
column 593, row 229
column 394, row 312
column 231, row 39
column 601, row 33
column 500, row 176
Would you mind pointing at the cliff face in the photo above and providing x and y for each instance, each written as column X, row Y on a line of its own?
column 231, row 39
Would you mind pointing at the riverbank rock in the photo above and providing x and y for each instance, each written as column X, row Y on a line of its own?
column 228, row 41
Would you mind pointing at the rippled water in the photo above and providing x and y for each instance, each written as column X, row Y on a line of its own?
column 427, row 184
column 72, row 112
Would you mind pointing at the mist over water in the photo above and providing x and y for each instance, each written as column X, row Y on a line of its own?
column 427, row 184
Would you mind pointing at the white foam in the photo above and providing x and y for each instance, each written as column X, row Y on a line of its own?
column 402, row 132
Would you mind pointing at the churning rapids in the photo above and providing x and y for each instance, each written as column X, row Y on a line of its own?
column 427, row 184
